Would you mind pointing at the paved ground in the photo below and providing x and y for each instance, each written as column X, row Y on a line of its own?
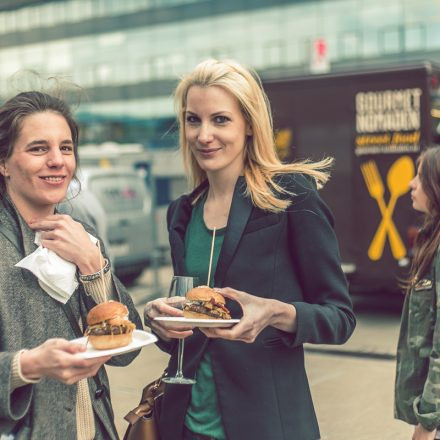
column 352, row 389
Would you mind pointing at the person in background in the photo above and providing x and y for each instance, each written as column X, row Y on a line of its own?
column 417, row 395
column 45, row 388
column 275, row 259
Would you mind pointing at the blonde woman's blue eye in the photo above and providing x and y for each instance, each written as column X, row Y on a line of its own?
column 221, row 119
column 191, row 119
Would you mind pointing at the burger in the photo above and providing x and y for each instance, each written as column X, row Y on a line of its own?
column 109, row 326
column 205, row 303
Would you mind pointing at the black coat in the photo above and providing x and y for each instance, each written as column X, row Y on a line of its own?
column 291, row 256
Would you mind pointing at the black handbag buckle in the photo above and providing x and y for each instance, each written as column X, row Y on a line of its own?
column 99, row 392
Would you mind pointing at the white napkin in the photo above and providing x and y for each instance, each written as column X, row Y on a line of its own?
column 55, row 275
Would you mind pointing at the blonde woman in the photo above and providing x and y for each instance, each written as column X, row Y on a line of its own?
column 275, row 259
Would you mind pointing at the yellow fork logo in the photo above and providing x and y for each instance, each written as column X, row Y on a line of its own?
column 399, row 176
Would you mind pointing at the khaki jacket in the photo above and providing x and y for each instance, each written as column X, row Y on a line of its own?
column 417, row 387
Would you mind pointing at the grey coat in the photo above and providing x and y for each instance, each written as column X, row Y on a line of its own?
column 28, row 317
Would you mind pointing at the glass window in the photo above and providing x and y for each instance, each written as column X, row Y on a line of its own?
column 48, row 16
column 84, row 76
column 59, row 56
column 11, row 61
column 103, row 73
column 10, row 21
column 59, row 12
column 332, row 46
column 370, row 43
column 391, row 40
column 3, row 18
column 22, row 23
column 34, row 17
column 433, row 36
column 348, row 45
column 98, row 8
column 145, row 69
column 272, row 54
column 415, row 37
column 82, row 9
column 33, row 57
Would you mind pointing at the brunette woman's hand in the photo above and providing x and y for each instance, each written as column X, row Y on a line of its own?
column 56, row 359
column 166, row 307
column 420, row 433
column 68, row 239
column 258, row 313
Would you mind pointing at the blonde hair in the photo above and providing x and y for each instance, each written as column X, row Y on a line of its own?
column 261, row 163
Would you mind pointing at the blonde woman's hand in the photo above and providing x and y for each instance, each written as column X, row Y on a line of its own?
column 258, row 313
column 68, row 239
column 420, row 433
column 56, row 359
column 166, row 307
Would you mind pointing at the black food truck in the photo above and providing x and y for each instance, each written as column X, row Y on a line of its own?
column 374, row 123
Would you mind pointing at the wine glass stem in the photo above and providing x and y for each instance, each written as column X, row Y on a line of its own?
column 179, row 372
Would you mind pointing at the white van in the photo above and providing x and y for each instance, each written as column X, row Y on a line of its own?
column 127, row 203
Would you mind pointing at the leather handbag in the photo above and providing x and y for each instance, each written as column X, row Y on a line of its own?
column 144, row 419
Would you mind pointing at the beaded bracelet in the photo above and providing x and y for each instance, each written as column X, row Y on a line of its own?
column 96, row 275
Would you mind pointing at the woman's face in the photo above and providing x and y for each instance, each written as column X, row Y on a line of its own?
column 418, row 195
column 42, row 163
column 216, row 130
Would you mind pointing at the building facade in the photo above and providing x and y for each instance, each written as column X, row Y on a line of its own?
column 127, row 55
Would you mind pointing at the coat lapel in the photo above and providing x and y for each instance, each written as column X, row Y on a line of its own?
column 239, row 213
column 178, row 222
column 180, row 216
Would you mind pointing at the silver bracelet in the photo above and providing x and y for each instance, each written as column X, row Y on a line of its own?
column 96, row 275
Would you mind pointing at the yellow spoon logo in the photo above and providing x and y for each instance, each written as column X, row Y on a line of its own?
column 399, row 176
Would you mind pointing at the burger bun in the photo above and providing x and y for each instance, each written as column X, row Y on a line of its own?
column 106, row 311
column 189, row 314
column 107, row 342
column 205, row 293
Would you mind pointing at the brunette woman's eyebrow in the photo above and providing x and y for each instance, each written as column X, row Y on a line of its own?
column 36, row 143
column 44, row 142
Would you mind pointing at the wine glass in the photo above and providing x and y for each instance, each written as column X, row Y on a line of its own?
column 179, row 287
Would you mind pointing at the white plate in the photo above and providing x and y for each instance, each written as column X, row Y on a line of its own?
column 140, row 339
column 176, row 321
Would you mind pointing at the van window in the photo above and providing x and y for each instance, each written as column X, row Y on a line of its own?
column 119, row 193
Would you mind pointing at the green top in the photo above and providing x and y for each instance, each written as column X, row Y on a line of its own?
column 203, row 415
column 417, row 398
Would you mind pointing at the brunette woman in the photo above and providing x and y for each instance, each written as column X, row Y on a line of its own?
column 417, row 390
column 46, row 390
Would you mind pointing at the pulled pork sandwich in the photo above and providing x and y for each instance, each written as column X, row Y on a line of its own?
column 108, row 326
column 205, row 303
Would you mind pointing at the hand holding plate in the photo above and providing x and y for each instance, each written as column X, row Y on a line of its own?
column 166, row 307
